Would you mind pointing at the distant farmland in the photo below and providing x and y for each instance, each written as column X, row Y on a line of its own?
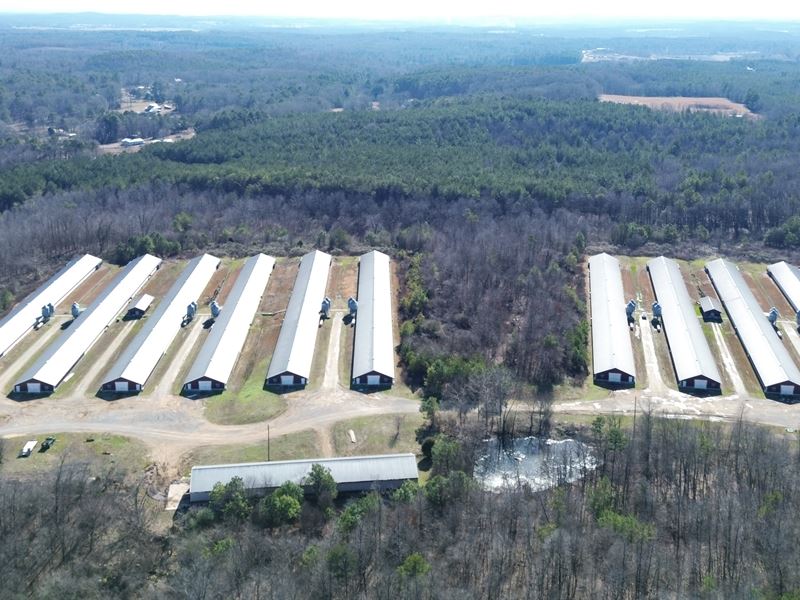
column 720, row 106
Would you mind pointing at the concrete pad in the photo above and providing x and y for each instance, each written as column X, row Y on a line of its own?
column 176, row 492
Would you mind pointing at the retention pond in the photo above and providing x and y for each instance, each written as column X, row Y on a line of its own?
column 538, row 463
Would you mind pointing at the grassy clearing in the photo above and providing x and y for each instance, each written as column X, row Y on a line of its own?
column 191, row 356
column 105, row 451
column 588, row 391
column 346, row 354
column 249, row 404
column 665, row 365
column 381, row 434
column 727, row 384
column 303, row 444
column 401, row 390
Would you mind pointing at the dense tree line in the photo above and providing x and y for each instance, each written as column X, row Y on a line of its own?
column 69, row 76
column 661, row 177
column 673, row 509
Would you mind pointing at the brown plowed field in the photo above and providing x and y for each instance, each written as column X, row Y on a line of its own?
column 719, row 106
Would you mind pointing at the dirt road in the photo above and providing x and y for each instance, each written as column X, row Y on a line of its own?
column 174, row 425
column 655, row 384
column 331, row 379
column 167, row 382
column 714, row 408
column 728, row 362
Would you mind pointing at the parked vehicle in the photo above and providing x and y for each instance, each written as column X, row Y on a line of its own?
column 47, row 443
column 27, row 449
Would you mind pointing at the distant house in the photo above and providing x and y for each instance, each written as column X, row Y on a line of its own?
column 138, row 308
column 711, row 309
column 129, row 142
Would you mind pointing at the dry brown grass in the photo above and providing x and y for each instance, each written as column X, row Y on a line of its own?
column 720, row 106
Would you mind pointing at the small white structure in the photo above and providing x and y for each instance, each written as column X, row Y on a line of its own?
column 129, row 142
column 27, row 449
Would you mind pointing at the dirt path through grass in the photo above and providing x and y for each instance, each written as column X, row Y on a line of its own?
column 331, row 379
column 728, row 362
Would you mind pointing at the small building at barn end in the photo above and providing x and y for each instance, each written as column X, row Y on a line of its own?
column 711, row 309
column 138, row 308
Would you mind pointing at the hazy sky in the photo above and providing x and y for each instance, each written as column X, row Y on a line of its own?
column 432, row 9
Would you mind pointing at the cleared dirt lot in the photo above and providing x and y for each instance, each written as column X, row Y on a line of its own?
column 118, row 148
column 719, row 106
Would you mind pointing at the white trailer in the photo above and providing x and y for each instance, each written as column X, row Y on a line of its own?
column 27, row 449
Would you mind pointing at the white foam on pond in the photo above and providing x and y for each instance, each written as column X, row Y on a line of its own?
column 538, row 463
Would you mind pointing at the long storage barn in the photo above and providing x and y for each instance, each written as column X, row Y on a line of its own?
column 56, row 362
column 222, row 347
column 351, row 473
column 787, row 278
column 691, row 356
column 373, row 349
column 294, row 352
column 27, row 313
column 132, row 370
column 772, row 363
column 612, row 352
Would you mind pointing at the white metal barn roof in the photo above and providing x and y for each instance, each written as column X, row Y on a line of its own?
column 54, row 364
column 344, row 470
column 787, row 277
column 223, row 345
column 770, row 358
column 611, row 342
column 24, row 316
column 294, row 351
column 143, row 353
column 373, row 349
column 691, row 354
